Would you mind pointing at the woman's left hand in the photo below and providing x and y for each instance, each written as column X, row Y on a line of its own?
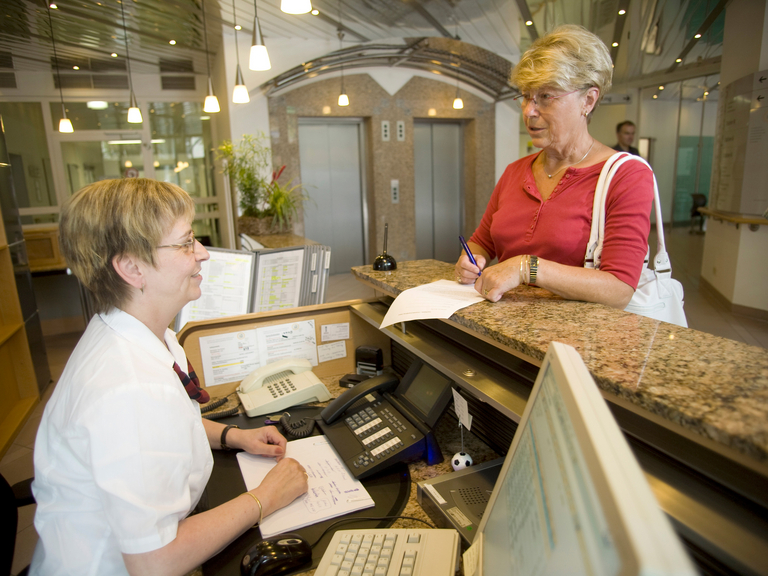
column 264, row 441
column 498, row 279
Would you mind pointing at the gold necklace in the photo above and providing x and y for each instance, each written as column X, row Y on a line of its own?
column 569, row 165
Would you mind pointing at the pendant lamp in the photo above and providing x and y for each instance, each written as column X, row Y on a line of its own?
column 259, row 58
column 65, row 124
column 211, row 104
column 343, row 98
column 458, row 103
column 296, row 6
column 240, row 93
column 134, row 112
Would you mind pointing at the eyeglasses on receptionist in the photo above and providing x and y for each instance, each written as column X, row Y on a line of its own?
column 188, row 246
column 540, row 101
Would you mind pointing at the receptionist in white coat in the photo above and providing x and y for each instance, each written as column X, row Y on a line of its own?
column 122, row 454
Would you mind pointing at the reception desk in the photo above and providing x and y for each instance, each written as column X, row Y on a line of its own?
column 694, row 407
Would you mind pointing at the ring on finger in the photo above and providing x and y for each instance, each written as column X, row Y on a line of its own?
column 485, row 291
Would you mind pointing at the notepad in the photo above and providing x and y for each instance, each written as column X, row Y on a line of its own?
column 332, row 489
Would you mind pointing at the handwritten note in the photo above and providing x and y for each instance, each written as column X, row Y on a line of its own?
column 436, row 300
column 332, row 489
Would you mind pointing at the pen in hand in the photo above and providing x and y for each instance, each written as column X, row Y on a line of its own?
column 469, row 253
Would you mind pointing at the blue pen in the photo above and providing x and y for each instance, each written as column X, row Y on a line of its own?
column 469, row 253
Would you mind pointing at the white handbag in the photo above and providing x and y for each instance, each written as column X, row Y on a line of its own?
column 658, row 295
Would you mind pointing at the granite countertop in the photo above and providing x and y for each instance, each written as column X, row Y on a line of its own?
column 282, row 240
column 712, row 386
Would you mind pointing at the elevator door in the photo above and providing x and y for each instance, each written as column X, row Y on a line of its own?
column 331, row 171
column 439, row 213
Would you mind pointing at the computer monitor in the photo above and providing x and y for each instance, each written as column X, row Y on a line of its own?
column 570, row 497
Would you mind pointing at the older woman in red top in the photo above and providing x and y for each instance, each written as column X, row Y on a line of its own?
column 538, row 219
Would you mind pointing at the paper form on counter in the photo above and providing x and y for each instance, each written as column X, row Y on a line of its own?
column 332, row 489
column 436, row 300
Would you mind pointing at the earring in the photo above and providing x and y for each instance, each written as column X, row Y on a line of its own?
column 142, row 288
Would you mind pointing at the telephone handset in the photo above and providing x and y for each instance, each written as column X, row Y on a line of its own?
column 279, row 385
column 383, row 420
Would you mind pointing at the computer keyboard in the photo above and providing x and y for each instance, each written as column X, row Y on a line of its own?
column 391, row 552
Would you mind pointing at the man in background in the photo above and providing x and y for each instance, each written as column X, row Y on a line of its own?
column 625, row 134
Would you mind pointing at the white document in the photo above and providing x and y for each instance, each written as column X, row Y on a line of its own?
column 330, row 332
column 462, row 409
column 226, row 287
column 292, row 340
column 229, row 357
column 278, row 280
column 332, row 489
column 436, row 300
column 332, row 351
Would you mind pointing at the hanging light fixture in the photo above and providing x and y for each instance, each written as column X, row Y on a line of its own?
column 211, row 105
column 65, row 125
column 458, row 103
column 134, row 112
column 259, row 59
column 240, row 93
column 296, row 6
column 343, row 98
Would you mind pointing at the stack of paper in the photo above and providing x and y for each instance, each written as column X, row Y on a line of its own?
column 332, row 489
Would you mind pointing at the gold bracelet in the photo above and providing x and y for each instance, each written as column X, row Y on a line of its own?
column 261, row 509
column 522, row 278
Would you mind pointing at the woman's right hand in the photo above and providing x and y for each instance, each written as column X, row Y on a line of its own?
column 282, row 485
column 466, row 272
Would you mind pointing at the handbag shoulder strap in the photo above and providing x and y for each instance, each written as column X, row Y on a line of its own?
column 661, row 261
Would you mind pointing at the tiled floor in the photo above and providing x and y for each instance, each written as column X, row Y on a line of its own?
column 703, row 311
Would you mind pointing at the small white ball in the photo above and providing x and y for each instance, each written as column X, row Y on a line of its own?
column 461, row 460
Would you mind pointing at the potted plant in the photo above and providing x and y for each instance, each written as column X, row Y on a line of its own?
column 267, row 206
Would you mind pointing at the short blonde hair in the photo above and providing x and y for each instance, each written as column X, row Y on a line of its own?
column 115, row 218
column 569, row 58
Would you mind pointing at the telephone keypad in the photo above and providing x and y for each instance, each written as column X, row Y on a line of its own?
column 281, row 387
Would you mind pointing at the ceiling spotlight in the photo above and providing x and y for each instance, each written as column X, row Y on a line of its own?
column 53, row 6
column 296, row 6
column 706, row 93
column 97, row 105
column 697, row 36
column 615, row 44
column 114, row 54
column 431, row 112
column 172, row 42
column 75, row 67
column 315, row 12
column 238, row 27
column 655, row 96
column 661, row 87
column 529, row 22
column 622, row 12
column 679, row 60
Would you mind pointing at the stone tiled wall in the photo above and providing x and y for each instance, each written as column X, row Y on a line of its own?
column 393, row 159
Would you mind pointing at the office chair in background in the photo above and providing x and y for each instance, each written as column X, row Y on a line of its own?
column 11, row 499
column 699, row 201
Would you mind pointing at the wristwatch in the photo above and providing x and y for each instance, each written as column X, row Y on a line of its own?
column 223, row 441
column 533, row 269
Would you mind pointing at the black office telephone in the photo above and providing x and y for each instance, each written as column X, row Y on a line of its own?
column 385, row 420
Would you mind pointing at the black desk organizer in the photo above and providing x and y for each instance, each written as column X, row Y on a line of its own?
column 390, row 490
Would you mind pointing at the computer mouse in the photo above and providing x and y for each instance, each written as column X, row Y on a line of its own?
column 280, row 554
